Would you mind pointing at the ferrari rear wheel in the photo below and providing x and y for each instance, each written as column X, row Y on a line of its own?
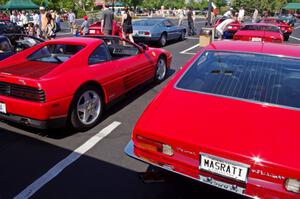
column 161, row 70
column 86, row 109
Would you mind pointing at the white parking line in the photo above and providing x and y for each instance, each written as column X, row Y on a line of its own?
column 191, row 48
column 298, row 39
column 296, row 28
column 59, row 167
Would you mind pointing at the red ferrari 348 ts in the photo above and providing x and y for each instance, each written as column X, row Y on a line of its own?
column 259, row 32
column 71, row 80
column 285, row 28
column 229, row 119
column 95, row 29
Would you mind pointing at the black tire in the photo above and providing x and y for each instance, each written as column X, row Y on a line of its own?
column 163, row 40
column 182, row 36
column 158, row 78
column 73, row 120
column 286, row 38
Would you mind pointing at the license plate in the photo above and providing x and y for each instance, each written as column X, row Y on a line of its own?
column 92, row 31
column 2, row 108
column 222, row 185
column 255, row 39
column 223, row 167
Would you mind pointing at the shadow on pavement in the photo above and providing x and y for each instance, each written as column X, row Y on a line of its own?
column 25, row 159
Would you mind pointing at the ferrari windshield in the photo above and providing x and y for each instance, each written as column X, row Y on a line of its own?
column 261, row 28
column 55, row 53
column 252, row 77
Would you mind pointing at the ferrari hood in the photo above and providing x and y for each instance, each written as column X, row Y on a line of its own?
column 231, row 125
column 29, row 69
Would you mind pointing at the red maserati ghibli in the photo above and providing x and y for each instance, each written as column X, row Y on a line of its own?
column 69, row 81
column 229, row 119
column 259, row 32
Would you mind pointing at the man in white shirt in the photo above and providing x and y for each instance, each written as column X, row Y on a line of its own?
column 23, row 19
column 241, row 14
column 228, row 14
column 13, row 17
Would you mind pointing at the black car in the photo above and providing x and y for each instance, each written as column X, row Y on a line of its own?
column 7, row 27
column 14, row 43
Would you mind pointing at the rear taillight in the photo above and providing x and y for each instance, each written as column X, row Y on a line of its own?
column 147, row 33
column 292, row 185
column 152, row 145
column 22, row 92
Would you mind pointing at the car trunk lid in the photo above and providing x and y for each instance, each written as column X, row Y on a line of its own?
column 28, row 69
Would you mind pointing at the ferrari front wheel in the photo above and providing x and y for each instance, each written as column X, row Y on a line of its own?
column 161, row 70
column 87, row 107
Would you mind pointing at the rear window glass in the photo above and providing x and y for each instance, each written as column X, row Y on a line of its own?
column 261, row 28
column 55, row 53
column 254, row 77
column 145, row 23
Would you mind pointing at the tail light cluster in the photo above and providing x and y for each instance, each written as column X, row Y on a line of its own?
column 292, row 185
column 152, row 145
column 22, row 92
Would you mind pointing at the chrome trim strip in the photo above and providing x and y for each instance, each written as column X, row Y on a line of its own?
column 129, row 150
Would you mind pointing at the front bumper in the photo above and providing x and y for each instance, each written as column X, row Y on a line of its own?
column 251, row 190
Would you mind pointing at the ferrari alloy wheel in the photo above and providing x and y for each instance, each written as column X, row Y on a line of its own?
column 161, row 70
column 87, row 108
column 163, row 40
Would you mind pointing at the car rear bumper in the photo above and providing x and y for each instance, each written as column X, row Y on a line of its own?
column 146, row 39
column 40, row 124
column 38, row 115
column 251, row 190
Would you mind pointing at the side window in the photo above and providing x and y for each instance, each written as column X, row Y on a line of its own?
column 168, row 23
column 99, row 55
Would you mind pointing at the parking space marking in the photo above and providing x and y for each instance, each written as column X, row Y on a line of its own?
column 298, row 39
column 59, row 167
column 191, row 48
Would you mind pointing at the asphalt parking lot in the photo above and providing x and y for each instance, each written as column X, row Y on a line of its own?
column 92, row 164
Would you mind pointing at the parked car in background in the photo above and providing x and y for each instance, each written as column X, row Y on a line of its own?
column 11, row 44
column 229, row 119
column 157, row 30
column 69, row 81
column 95, row 29
column 297, row 15
column 286, row 29
column 259, row 32
column 7, row 27
column 289, row 19
column 231, row 29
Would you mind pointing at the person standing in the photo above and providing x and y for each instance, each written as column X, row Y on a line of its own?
column 255, row 15
column 85, row 26
column 212, row 18
column 127, row 25
column 107, row 21
column 181, row 16
column 241, row 14
column 190, row 18
column 13, row 17
column 43, row 20
column 50, row 31
column 72, row 20
column 23, row 18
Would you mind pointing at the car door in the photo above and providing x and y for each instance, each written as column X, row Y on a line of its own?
column 104, row 70
column 136, row 65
